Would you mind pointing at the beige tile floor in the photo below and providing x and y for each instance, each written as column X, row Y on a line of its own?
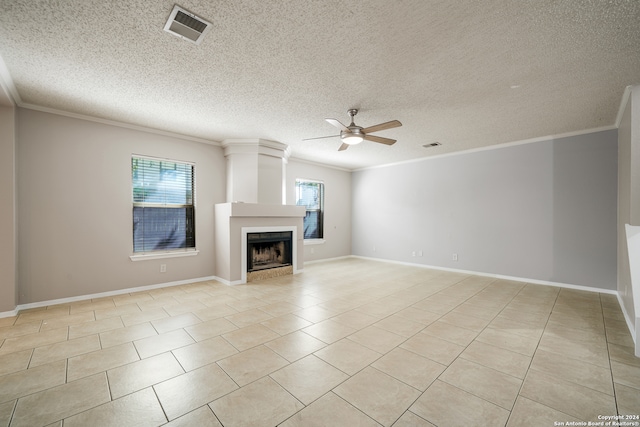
column 346, row 343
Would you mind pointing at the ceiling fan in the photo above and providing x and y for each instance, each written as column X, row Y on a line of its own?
column 353, row 134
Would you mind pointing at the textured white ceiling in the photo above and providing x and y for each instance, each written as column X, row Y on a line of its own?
column 274, row 69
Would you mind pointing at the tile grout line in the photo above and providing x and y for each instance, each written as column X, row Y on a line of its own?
column 467, row 346
column 421, row 393
column 349, row 376
column 533, row 355
column 613, row 382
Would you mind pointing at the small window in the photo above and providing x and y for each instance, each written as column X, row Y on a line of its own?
column 310, row 194
column 163, row 205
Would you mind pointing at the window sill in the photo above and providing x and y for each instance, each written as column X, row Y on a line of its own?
column 160, row 255
column 313, row 241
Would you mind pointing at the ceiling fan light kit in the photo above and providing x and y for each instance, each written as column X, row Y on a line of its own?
column 351, row 138
column 354, row 134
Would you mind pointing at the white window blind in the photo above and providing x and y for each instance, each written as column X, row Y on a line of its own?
column 163, row 205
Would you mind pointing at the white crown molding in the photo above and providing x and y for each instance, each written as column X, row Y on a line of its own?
column 255, row 146
column 323, row 165
column 117, row 124
column 254, row 142
column 494, row 147
column 7, row 85
column 623, row 103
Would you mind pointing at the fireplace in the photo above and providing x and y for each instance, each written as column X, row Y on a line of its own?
column 256, row 203
column 268, row 250
column 235, row 221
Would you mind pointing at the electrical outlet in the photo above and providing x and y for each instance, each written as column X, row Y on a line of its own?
column 413, row 253
column 454, row 257
column 163, row 268
column 374, row 249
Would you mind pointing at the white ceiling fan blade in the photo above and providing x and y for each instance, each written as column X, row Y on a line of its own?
column 337, row 124
column 321, row 137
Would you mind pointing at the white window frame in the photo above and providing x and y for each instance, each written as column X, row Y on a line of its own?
column 171, row 253
column 320, row 240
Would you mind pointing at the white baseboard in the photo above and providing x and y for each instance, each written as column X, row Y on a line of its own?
column 106, row 294
column 497, row 276
column 228, row 282
column 9, row 313
column 630, row 321
column 119, row 292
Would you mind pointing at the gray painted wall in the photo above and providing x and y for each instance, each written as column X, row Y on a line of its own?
column 74, row 207
column 543, row 211
column 8, row 226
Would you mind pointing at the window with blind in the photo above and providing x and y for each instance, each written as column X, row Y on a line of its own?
column 163, row 205
column 310, row 194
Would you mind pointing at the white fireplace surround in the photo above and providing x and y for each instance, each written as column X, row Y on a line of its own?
column 233, row 221
column 294, row 246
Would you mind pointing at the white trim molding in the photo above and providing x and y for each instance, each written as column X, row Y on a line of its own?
column 497, row 276
column 110, row 293
column 313, row 241
column 160, row 255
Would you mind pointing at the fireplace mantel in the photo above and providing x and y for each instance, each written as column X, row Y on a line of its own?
column 260, row 210
column 232, row 220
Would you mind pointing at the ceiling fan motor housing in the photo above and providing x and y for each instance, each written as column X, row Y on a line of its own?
column 353, row 136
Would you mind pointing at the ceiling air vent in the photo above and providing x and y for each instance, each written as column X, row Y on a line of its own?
column 433, row 144
column 186, row 25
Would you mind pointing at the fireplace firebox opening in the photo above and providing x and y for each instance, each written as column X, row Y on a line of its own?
column 267, row 250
